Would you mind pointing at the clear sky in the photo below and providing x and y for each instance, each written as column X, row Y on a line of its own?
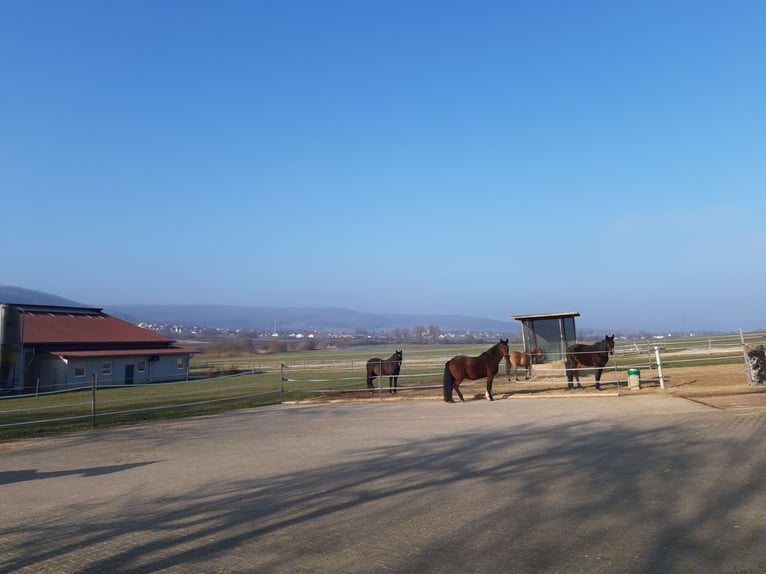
column 474, row 158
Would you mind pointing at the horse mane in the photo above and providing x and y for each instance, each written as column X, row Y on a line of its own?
column 493, row 349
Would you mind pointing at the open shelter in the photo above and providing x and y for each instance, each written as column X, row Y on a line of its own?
column 552, row 332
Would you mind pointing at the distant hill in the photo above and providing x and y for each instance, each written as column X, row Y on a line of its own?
column 305, row 319
column 20, row 296
column 286, row 319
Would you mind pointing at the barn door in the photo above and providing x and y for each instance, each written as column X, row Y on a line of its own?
column 129, row 374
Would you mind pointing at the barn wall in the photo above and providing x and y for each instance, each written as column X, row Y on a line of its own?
column 166, row 368
column 51, row 372
column 59, row 374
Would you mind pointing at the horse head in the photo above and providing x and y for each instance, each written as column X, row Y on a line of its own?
column 398, row 356
column 503, row 348
column 537, row 353
column 609, row 343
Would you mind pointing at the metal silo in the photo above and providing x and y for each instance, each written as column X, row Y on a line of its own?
column 10, row 344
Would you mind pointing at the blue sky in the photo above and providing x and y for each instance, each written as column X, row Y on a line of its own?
column 473, row 158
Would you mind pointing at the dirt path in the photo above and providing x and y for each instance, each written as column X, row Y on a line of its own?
column 687, row 382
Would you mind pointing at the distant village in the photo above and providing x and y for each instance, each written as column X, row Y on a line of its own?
column 418, row 334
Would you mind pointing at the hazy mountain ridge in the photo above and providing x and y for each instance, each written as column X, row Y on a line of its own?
column 305, row 319
column 285, row 319
column 21, row 296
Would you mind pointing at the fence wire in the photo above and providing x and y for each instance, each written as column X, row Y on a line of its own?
column 280, row 382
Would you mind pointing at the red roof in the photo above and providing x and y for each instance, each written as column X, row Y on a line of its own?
column 87, row 328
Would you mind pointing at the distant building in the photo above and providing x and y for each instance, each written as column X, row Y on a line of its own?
column 47, row 348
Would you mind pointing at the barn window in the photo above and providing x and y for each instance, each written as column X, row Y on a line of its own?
column 79, row 370
column 180, row 363
column 106, row 368
column 141, row 365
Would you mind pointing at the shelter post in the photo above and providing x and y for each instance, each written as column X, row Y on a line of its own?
column 93, row 385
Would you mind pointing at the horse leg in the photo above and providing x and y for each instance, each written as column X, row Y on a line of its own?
column 570, row 374
column 456, row 386
column 370, row 378
column 598, row 379
column 573, row 371
column 516, row 371
column 488, row 394
column 529, row 371
column 578, row 366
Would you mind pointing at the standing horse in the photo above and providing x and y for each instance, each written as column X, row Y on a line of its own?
column 595, row 356
column 525, row 360
column 461, row 367
column 385, row 367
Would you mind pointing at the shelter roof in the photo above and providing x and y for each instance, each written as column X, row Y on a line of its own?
column 546, row 316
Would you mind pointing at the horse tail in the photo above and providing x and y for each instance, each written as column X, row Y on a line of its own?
column 448, row 383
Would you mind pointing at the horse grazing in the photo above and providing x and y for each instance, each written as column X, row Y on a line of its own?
column 525, row 359
column 461, row 367
column 595, row 356
column 385, row 367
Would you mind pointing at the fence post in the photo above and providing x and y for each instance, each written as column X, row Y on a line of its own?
column 93, row 385
column 659, row 366
column 748, row 365
column 281, row 383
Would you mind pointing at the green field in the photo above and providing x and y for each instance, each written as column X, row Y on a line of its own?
column 260, row 380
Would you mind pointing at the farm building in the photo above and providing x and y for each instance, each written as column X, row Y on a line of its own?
column 552, row 332
column 48, row 348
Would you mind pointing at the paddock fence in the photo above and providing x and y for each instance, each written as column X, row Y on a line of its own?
column 654, row 356
column 214, row 387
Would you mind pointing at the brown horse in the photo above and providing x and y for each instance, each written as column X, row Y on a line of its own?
column 461, row 367
column 596, row 356
column 381, row 367
column 525, row 360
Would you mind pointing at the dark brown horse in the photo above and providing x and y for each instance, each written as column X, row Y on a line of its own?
column 385, row 367
column 461, row 367
column 594, row 356
column 525, row 359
